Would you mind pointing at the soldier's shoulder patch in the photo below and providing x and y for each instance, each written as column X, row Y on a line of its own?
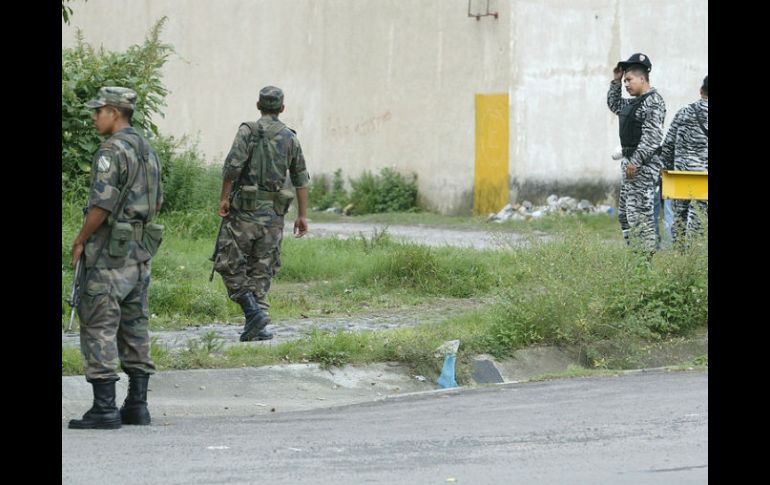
column 103, row 163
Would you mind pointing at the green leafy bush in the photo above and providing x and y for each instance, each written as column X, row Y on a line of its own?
column 85, row 70
column 388, row 192
column 324, row 193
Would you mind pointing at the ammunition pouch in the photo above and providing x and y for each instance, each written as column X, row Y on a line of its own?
column 120, row 236
column 152, row 237
column 282, row 201
column 247, row 197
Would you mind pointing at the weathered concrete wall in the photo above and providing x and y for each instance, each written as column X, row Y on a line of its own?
column 374, row 83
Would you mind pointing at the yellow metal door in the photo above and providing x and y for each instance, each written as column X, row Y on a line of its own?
column 490, row 184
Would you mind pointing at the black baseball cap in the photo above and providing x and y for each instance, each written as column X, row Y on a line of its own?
column 637, row 58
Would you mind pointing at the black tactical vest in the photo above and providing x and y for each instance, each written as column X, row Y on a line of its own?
column 630, row 127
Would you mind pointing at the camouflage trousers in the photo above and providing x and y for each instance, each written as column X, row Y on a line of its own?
column 688, row 216
column 249, row 256
column 636, row 206
column 113, row 315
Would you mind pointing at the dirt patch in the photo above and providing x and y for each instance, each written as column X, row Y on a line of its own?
column 427, row 235
column 294, row 329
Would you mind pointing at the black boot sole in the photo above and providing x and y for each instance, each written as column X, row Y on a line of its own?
column 252, row 338
column 91, row 425
column 255, row 339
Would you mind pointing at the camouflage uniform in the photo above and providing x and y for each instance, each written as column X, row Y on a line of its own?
column 636, row 201
column 249, row 244
column 687, row 148
column 113, row 307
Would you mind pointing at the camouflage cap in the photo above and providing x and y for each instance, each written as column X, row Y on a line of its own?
column 115, row 96
column 270, row 98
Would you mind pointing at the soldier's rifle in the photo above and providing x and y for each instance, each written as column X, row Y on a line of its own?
column 74, row 298
column 213, row 257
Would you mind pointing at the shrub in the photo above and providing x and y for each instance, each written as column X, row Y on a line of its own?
column 324, row 194
column 388, row 192
column 84, row 71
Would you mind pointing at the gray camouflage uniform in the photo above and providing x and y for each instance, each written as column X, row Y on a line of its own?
column 687, row 148
column 636, row 201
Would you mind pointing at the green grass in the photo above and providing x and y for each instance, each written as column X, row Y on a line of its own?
column 583, row 288
column 72, row 362
column 413, row 346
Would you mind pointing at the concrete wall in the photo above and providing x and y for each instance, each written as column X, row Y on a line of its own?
column 374, row 83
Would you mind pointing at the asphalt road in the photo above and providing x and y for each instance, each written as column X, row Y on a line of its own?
column 638, row 428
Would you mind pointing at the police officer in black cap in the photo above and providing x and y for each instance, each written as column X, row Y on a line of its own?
column 641, row 134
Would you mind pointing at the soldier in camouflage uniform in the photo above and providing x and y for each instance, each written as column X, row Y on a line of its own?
column 687, row 148
column 641, row 133
column 253, row 203
column 118, row 241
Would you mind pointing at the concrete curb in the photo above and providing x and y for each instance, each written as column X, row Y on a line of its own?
column 250, row 391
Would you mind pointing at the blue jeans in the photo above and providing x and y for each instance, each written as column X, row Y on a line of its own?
column 668, row 219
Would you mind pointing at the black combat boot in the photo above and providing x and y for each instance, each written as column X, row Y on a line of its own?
column 103, row 414
column 134, row 409
column 256, row 319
